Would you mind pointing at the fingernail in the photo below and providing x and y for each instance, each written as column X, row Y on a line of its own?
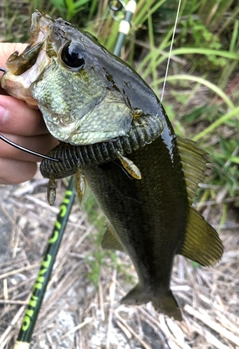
column 3, row 115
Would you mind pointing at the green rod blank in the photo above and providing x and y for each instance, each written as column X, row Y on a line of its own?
column 39, row 288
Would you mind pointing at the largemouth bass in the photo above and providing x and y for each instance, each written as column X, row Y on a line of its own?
column 110, row 123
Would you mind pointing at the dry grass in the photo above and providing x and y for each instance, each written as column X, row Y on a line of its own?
column 77, row 315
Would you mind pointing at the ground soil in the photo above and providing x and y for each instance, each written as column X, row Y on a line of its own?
column 77, row 314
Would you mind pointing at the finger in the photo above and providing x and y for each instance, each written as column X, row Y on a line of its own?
column 14, row 172
column 17, row 118
column 41, row 144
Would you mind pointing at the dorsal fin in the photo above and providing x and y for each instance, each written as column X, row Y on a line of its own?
column 202, row 243
column 194, row 165
column 110, row 240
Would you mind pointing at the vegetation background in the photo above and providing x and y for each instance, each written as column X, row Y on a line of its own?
column 201, row 99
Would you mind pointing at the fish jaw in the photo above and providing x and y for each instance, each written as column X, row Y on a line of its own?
column 162, row 299
column 25, row 68
column 19, row 86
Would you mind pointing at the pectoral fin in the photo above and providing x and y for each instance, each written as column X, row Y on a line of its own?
column 202, row 243
column 110, row 240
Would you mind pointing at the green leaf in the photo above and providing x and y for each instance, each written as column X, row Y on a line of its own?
column 234, row 159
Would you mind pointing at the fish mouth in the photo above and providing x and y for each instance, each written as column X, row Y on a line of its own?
column 39, row 31
column 40, row 26
column 25, row 68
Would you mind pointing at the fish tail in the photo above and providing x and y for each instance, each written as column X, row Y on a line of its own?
column 163, row 301
column 167, row 304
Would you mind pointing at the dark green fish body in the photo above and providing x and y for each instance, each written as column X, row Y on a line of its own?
column 112, row 130
column 152, row 220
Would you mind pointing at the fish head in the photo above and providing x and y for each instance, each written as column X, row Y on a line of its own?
column 63, row 72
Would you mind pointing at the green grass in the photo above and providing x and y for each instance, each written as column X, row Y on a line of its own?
column 202, row 87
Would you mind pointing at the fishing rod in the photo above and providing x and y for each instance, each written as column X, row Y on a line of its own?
column 124, row 26
column 43, row 277
column 28, row 324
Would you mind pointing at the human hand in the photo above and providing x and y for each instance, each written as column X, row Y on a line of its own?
column 22, row 125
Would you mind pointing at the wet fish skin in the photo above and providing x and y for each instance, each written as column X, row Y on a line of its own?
column 151, row 219
column 148, row 218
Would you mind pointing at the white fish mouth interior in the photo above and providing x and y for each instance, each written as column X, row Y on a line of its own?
column 19, row 85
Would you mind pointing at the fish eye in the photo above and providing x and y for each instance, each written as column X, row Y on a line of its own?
column 72, row 56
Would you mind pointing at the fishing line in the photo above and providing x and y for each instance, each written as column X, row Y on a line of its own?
column 15, row 145
column 170, row 50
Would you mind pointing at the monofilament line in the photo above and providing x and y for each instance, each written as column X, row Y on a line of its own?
column 170, row 50
column 28, row 150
